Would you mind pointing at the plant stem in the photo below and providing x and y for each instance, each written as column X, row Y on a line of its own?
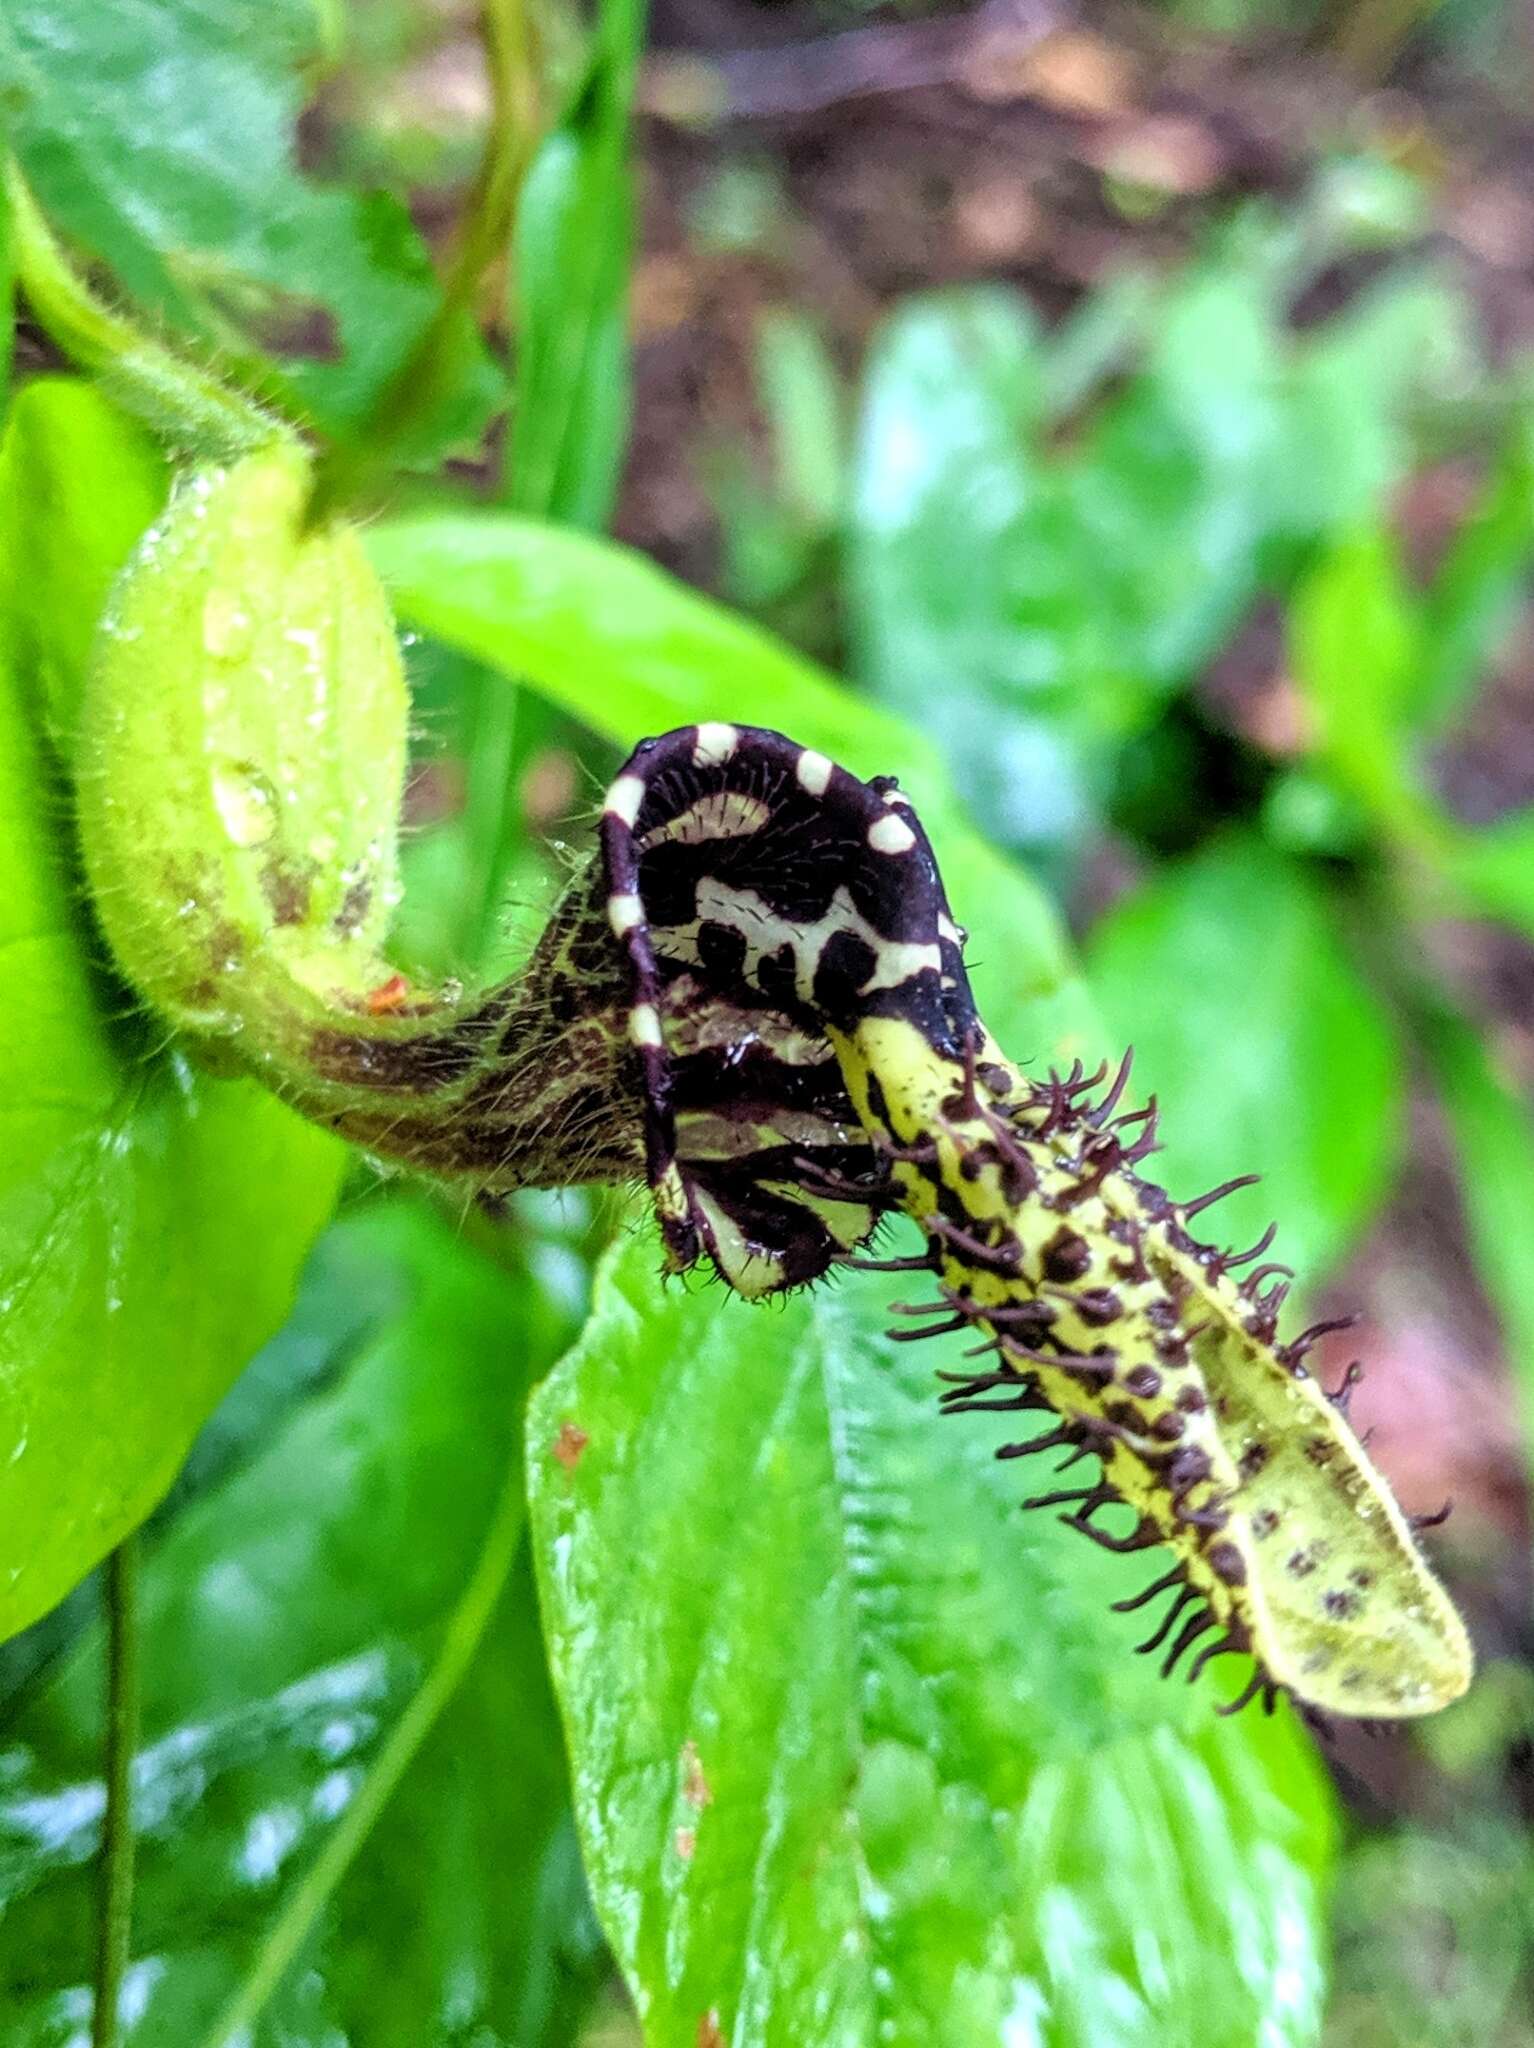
column 114, row 1918
column 514, row 120
column 460, row 1640
column 355, row 469
column 181, row 402
column 492, row 801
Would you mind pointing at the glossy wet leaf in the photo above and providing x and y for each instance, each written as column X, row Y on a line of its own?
column 610, row 635
column 1051, row 595
column 967, row 577
column 160, row 135
column 290, row 1615
column 152, row 1218
column 860, row 1755
column 1266, row 1049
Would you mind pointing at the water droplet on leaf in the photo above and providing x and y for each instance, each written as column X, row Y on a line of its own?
column 245, row 802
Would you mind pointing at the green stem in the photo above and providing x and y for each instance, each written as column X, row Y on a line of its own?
column 461, row 1639
column 114, row 1920
column 492, row 802
column 514, row 121
column 179, row 401
column 354, row 470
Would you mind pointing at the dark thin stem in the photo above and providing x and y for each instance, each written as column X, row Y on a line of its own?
column 114, row 1919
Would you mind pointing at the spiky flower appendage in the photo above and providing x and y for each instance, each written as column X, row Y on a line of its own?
column 1161, row 1364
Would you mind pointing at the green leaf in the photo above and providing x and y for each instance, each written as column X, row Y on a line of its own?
column 630, row 651
column 1495, row 869
column 89, row 482
column 293, row 1617
column 1095, row 337
column 1050, row 599
column 965, row 584
column 159, row 134
column 773, row 563
column 1482, row 587
column 7, row 304
column 152, row 1219
column 346, row 1294
column 1050, row 602
column 625, row 647
column 1347, row 430
column 1355, row 641
column 1265, row 1049
column 802, row 399
column 859, row 1754
column 1489, row 1124
column 1174, row 491
column 573, row 250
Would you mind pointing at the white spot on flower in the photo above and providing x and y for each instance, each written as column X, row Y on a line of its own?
column 714, row 745
column 814, row 772
column 624, row 912
column 644, row 1025
column 890, row 834
column 625, row 798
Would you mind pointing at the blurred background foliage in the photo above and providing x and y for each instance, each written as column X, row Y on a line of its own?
column 1138, row 403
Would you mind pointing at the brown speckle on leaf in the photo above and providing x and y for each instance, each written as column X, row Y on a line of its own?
column 684, row 1841
column 286, row 890
column 696, row 1789
column 569, row 1446
column 226, row 945
column 355, row 905
column 710, row 2033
